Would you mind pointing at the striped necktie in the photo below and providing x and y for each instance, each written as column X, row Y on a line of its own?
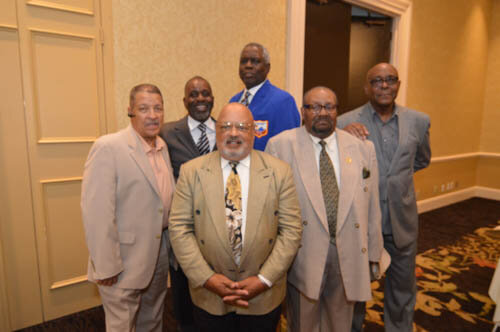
column 330, row 189
column 245, row 100
column 203, row 145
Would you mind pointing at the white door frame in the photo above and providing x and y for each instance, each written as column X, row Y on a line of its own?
column 399, row 10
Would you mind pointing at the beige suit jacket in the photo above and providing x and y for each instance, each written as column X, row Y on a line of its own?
column 122, row 210
column 359, row 235
column 200, row 239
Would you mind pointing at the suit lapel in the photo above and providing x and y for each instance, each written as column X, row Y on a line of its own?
column 260, row 179
column 309, row 173
column 261, row 96
column 348, row 178
column 403, row 136
column 137, row 153
column 211, row 179
column 184, row 136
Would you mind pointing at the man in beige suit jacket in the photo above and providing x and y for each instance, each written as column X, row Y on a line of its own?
column 126, row 196
column 331, row 271
column 231, row 296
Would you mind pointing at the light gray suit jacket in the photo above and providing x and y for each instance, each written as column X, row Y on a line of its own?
column 200, row 238
column 122, row 210
column 396, row 183
column 359, row 236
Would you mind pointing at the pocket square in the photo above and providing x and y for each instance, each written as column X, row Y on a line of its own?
column 366, row 173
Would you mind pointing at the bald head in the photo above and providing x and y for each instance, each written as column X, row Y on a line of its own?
column 382, row 86
column 235, row 132
column 383, row 66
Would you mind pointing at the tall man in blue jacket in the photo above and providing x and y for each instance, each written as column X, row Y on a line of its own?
column 274, row 110
column 401, row 139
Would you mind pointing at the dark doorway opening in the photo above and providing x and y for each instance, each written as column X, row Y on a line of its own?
column 341, row 43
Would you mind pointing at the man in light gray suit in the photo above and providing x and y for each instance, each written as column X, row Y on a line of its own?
column 126, row 195
column 401, row 139
column 337, row 183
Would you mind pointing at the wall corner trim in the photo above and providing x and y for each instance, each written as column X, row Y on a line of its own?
column 440, row 201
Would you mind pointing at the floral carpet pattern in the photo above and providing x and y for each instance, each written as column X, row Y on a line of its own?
column 444, row 278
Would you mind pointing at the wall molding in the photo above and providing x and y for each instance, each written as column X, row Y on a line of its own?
column 61, row 7
column 460, row 156
column 399, row 10
column 440, row 201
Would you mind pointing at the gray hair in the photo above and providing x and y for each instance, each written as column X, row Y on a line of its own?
column 265, row 53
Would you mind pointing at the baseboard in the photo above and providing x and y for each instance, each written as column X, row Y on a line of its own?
column 437, row 202
column 490, row 193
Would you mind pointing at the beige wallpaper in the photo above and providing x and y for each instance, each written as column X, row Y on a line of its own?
column 447, row 80
column 490, row 138
column 168, row 42
column 448, row 55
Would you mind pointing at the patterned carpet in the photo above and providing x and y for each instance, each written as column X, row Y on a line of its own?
column 458, row 251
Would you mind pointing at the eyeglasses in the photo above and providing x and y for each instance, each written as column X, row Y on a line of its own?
column 240, row 126
column 379, row 81
column 316, row 108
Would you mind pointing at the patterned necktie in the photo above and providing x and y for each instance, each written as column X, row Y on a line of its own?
column 203, row 145
column 329, row 188
column 246, row 98
column 233, row 211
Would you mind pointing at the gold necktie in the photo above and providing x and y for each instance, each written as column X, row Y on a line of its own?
column 233, row 211
column 329, row 188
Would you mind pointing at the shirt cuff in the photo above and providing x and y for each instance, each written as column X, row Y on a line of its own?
column 265, row 281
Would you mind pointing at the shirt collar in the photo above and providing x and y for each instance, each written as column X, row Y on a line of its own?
column 193, row 124
column 245, row 161
column 160, row 144
column 394, row 114
column 255, row 89
column 330, row 140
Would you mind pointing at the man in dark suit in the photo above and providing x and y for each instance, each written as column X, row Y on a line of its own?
column 273, row 109
column 187, row 140
column 401, row 139
column 236, row 227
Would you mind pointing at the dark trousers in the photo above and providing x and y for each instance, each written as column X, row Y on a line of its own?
column 183, row 306
column 233, row 322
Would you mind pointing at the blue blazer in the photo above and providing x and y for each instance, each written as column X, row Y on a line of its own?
column 274, row 110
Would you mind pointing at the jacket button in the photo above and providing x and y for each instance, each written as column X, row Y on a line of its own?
column 160, row 210
column 356, row 225
column 158, row 236
column 305, row 222
column 202, row 241
column 270, row 241
column 365, row 189
column 198, row 212
column 363, row 250
column 300, row 245
column 276, row 212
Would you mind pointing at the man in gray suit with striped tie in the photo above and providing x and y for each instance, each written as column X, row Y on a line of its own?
column 188, row 138
column 401, row 139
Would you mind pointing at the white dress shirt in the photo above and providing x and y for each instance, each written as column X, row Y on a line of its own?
column 196, row 132
column 252, row 91
column 243, row 169
column 333, row 152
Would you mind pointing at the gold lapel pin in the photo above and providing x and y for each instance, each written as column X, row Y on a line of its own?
column 349, row 160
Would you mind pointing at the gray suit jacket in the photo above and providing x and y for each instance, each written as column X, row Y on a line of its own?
column 181, row 146
column 396, row 183
column 359, row 236
column 122, row 210
column 200, row 239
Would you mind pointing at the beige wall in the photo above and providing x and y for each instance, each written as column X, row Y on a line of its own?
column 168, row 42
column 448, row 79
column 488, row 170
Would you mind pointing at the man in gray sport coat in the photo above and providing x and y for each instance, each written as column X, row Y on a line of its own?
column 401, row 139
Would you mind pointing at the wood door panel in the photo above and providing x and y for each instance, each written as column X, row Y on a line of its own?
column 66, row 94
